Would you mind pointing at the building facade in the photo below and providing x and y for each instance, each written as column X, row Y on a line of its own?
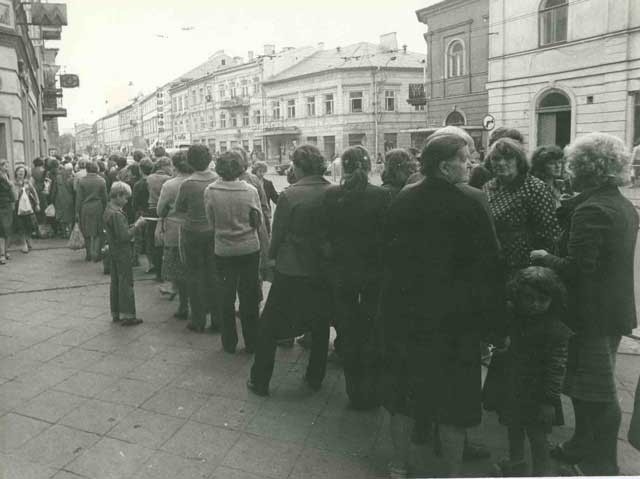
column 558, row 68
column 455, row 92
column 111, row 125
column 84, row 135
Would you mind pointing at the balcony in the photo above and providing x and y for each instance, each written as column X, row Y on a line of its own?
column 52, row 104
column 235, row 102
column 417, row 94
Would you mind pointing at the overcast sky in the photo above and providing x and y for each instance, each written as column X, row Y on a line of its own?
column 112, row 43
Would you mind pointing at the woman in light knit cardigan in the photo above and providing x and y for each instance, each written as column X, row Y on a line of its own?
column 233, row 210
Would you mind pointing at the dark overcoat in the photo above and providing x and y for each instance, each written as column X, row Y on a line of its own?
column 443, row 291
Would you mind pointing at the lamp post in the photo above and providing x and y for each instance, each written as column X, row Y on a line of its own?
column 376, row 103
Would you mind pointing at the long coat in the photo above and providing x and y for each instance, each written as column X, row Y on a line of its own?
column 443, row 291
column 91, row 200
column 595, row 259
column 62, row 197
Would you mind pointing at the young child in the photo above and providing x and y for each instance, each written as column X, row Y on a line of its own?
column 536, row 361
column 119, row 235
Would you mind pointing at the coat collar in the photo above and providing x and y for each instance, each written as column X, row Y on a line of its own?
column 311, row 180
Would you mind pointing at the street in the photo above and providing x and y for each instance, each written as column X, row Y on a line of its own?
column 81, row 397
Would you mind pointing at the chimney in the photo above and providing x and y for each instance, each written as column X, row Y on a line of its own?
column 320, row 45
column 404, row 48
column 389, row 42
column 250, row 55
column 338, row 49
column 237, row 60
column 269, row 49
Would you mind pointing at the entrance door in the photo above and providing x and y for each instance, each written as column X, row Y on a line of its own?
column 329, row 144
column 554, row 119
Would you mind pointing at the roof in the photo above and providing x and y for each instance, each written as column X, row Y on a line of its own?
column 358, row 55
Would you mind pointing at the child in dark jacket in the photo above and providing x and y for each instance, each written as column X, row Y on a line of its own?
column 119, row 236
column 536, row 360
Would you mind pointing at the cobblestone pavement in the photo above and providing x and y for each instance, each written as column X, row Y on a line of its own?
column 81, row 397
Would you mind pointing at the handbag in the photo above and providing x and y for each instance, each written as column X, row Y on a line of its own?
column 50, row 211
column 24, row 204
column 47, row 186
column 76, row 240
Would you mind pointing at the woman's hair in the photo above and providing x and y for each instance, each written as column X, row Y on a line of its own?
column 454, row 130
column 180, row 163
column 199, row 157
column 504, row 132
column 119, row 160
column 598, row 158
column 395, row 162
column 259, row 166
column 162, row 164
column 542, row 156
column 38, row 161
column 543, row 280
column 509, row 148
column 159, row 152
column 243, row 156
column 146, row 166
column 230, row 165
column 53, row 164
column 21, row 167
column 91, row 167
column 439, row 149
column 356, row 164
column 309, row 159
column 119, row 188
column 82, row 164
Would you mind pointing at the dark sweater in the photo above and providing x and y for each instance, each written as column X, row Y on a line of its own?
column 190, row 201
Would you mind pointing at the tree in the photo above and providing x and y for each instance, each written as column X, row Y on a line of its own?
column 67, row 143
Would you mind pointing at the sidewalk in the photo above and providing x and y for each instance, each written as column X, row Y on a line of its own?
column 81, row 397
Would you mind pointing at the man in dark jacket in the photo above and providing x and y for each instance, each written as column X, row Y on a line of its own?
column 299, row 295
column 443, row 292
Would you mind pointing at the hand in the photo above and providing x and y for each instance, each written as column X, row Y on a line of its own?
column 538, row 254
column 139, row 222
column 547, row 414
column 502, row 346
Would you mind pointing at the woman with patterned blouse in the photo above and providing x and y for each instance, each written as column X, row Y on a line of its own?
column 522, row 206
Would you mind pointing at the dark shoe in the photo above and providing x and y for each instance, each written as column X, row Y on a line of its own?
column 255, row 389
column 116, row 320
column 559, row 453
column 475, row 452
column 506, row 468
column 314, row 385
column 305, row 341
column 131, row 321
column 229, row 350
column 194, row 328
column 285, row 343
column 213, row 329
column 181, row 314
column 249, row 350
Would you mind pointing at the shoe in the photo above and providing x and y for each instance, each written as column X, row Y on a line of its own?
column 255, row 389
column 181, row 314
column 285, row 343
column 25, row 249
column 314, row 385
column 213, row 329
column 304, row 341
column 116, row 320
column 194, row 328
column 131, row 321
column 3, row 260
column 172, row 295
column 7, row 255
column 249, row 350
column 475, row 452
column 559, row 453
column 506, row 468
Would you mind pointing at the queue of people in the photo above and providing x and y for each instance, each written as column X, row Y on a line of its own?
column 418, row 276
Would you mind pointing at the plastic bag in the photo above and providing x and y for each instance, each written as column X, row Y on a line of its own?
column 47, row 186
column 24, row 204
column 50, row 211
column 76, row 240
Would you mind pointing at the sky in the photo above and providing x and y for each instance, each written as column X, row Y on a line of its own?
column 122, row 47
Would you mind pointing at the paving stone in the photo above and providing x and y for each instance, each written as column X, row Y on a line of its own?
column 50, row 405
column 344, row 434
column 185, row 356
column 11, row 368
column 67, row 475
column 128, row 391
column 78, row 358
column 138, row 350
column 291, row 426
column 96, row 416
column 260, row 455
column 226, row 412
column 15, row 430
column 197, row 441
column 47, row 375
column 114, row 365
column 175, row 402
column 318, row 464
column 85, row 384
column 156, row 373
column 224, row 472
column 110, row 459
column 167, row 466
column 57, row 446
column 74, row 337
column 15, row 393
column 42, row 351
column 12, row 467
column 146, row 428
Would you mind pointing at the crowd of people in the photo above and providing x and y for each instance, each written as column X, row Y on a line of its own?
column 524, row 263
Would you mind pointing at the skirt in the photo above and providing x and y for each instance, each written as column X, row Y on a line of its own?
column 6, row 222
column 591, row 368
column 24, row 224
column 91, row 218
column 173, row 268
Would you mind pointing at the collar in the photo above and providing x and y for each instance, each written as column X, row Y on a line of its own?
column 204, row 175
column 311, row 180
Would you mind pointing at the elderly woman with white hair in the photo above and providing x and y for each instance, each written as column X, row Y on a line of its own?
column 595, row 258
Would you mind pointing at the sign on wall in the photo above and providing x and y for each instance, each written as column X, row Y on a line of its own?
column 488, row 122
column 5, row 15
column 69, row 81
column 49, row 14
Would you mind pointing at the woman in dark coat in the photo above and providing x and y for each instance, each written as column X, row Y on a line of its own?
column 62, row 198
column 547, row 164
column 354, row 219
column 7, row 202
column 595, row 258
column 399, row 165
column 91, row 200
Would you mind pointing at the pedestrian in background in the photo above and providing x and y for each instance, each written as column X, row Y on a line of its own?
column 62, row 198
column 91, row 200
column 547, row 164
column 234, row 213
column 399, row 165
column 483, row 172
column 260, row 169
column 161, row 173
column 27, row 205
column 7, row 205
column 119, row 236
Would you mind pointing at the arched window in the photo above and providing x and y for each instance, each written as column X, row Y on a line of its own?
column 454, row 118
column 554, row 119
column 455, row 59
column 553, row 21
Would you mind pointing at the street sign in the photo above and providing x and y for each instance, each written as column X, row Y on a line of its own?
column 69, row 81
column 488, row 122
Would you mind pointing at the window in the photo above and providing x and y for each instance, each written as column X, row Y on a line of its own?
column 222, row 91
column 328, row 104
column 291, row 108
column 245, row 118
column 234, row 120
column 553, row 22
column 193, row 96
column 554, row 119
column 223, row 146
column 355, row 98
column 390, row 141
column 245, row 145
column 636, row 119
column 209, row 93
column 174, row 104
column 223, row 120
column 312, row 140
column 418, row 107
column 356, row 139
column 232, row 90
column 202, row 125
column 389, row 100
column 257, row 117
column 275, row 110
column 311, row 106
column 256, row 85
column 454, row 118
column 201, row 96
column 455, row 59
column 245, row 88
column 212, row 121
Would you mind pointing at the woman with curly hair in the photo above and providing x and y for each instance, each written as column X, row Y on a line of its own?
column 595, row 258
column 399, row 165
column 547, row 164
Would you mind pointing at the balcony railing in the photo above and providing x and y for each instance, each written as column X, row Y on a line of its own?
column 236, row 102
column 417, row 94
